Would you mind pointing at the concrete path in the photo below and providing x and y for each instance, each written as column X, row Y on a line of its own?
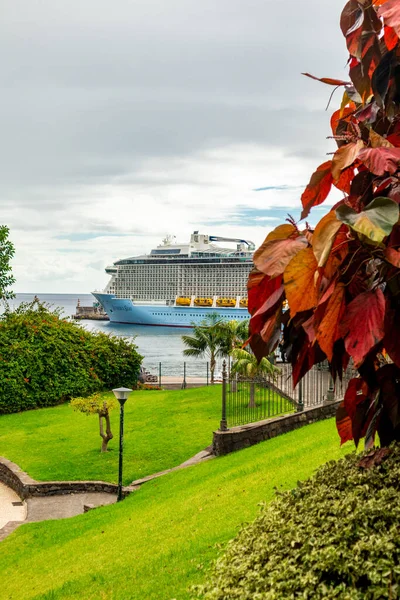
column 14, row 512
column 44, row 508
column 11, row 506
column 195, row 460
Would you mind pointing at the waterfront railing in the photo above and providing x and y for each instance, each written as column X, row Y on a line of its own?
column 249, row 400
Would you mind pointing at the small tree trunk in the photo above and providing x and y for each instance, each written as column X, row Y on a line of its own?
column 107, row 436
column 212, row 367
column 252, row 403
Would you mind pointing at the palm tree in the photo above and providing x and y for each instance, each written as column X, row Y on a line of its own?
column 206, row 340
column 245, row 363
column 234, row 335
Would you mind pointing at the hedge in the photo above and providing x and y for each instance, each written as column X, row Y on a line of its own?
column 46, row 359
column 336, row 535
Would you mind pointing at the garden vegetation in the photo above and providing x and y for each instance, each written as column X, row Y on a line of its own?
column 334, row 536
column 46, row 359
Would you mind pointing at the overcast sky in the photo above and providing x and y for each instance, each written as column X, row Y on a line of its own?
column 124, row 121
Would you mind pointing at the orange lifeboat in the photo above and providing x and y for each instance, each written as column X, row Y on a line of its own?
column 243, row 302
column 181, row 301
column 226, row 302
column 203, row 301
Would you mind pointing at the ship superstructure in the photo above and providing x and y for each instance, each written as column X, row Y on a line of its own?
column 189, row 278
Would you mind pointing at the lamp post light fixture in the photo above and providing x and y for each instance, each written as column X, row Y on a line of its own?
column 121, row 395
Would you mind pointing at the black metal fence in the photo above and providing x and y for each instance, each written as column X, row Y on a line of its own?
column 247, row 400
column 184, row 374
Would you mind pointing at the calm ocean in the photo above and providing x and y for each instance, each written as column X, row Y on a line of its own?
column 155, row 344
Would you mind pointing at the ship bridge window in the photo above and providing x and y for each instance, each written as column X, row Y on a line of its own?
column 171, row 251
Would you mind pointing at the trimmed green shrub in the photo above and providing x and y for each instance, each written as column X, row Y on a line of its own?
column 336, row 535
column 46, row 359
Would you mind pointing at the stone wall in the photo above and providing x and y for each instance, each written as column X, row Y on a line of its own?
column 237, row 438
column 26, row 487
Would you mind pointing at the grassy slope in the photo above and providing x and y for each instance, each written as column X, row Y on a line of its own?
column 161, row 539
column 162, row 429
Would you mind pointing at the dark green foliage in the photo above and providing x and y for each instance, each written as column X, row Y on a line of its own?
column 6, row 253
column 46, row 359
column 335, row 536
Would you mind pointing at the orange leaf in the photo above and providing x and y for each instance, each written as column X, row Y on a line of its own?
column 391, row 38
column 323, row 237
column 299, row 281
column 337, row 255
column 273, row 256
column 341, row 115
column 327, row 332
column 377, row 141
column 344, row 157
column 282, row 232
column 318, row 188
column 393, row 256
column 328, row 80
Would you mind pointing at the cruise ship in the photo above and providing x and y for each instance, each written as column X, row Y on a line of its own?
column 177, row 285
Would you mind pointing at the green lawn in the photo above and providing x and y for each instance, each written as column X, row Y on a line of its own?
column 162, row 429
column 162, row 538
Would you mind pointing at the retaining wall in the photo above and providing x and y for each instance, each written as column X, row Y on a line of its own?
column 237, row 438
column 26, row 487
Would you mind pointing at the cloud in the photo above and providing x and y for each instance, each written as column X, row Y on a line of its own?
column 120, row 124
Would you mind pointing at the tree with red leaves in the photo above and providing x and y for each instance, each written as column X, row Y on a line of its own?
column 342, row 279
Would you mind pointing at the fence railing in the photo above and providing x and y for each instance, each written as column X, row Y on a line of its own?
column 246, row 400
column 182, row 375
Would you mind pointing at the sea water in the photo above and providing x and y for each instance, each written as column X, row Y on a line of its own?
column 156, row 344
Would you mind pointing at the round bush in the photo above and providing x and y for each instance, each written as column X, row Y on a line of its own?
column 46, row 359
column 336, row 535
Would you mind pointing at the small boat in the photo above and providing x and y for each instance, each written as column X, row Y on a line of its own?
column 203, row 301
column 244, row 302
column 181, row 301
column 226, row 302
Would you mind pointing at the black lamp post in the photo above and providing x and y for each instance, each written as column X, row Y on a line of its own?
column 121, row 395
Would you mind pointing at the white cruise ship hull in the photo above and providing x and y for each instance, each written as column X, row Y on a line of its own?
column 122, row 310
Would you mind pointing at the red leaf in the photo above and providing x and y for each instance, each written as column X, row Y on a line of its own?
column 259, row 287
column 380, row 160
column 341, row 115
column 264, row 342
column 393, row 256
column 345, row 180
column 394, row 139
column 318, row 188
column 357, row 392
column 306, row 358
column 363, row 324
column 391, row 38
column 273, row 301
column 351, row 24
column 390, row 13
column 273, row 256
column 327, row 80
column 327, row 332
column 374, row 458
column 357, row 401
column 343, row 424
